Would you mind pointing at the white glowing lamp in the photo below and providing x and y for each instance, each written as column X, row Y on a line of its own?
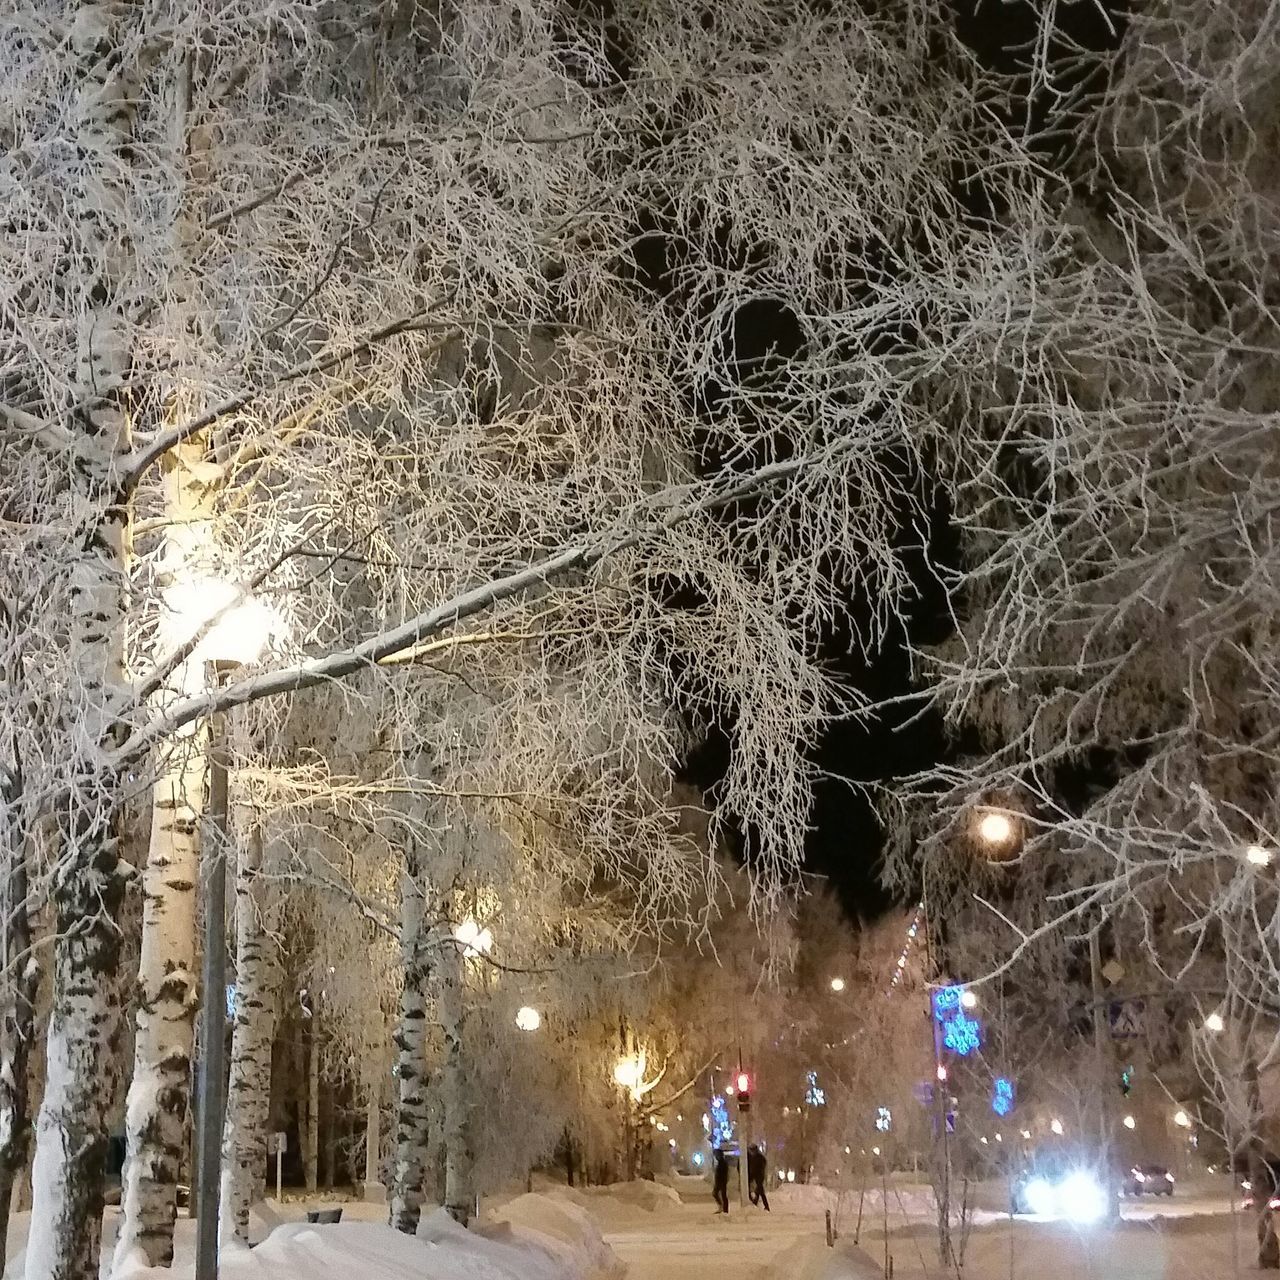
column 995, row 829
column 238, row 625
column 837, row 985
column 1214, row 1023
column 629, row 1072
column 475, row 940
column 528, row 1019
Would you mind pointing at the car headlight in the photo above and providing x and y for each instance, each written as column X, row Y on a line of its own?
column 1040, row 1197
column 1139, row 1176
column 1081, row 1198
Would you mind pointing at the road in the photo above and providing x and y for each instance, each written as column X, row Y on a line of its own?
column 693, row 1243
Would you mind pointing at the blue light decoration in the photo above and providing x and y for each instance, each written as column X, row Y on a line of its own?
column 721, row 1125
column 884, row 1119
column 697, row 1158
column 231, row 1000
column 1002, row 1096
column 814, row 1096
column 962, row 1034
column 946, row 1001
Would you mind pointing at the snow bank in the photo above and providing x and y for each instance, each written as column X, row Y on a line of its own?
column 649, row 1196
column 560, row 1219
column 539, row 1239
column 814, row 1261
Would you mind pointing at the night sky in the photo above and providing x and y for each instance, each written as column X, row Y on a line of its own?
column 845, row 843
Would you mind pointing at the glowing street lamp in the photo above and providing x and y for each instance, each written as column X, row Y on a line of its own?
column 238, row 625
column 969, row 999
column 1130, row 1122
column 1182, row 1120
column 1214, row 1023
column 475, row 940
column 837, row 985
column 528, row 1019
column 1055, row 1127
column 628, row 1072
column 1258, row 856
column 995, row 829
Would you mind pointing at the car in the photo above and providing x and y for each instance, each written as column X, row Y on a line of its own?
column 1071, row 1192
column 1148, row 1180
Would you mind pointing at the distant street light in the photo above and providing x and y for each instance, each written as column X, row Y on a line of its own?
column 475, row 940
column 969, row 999
column 995, row 829
column 837, row 985
column 1214, row 1023
column 1130, row 1122
column 1258, row 856
column 1182, row 1120
column 1056, row 1127
column 528, row 1019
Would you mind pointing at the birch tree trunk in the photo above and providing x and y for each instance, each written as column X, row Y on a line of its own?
column 254, row 1012
column 459, row 1173
column 165, row 1002
column 413, row 1119
column 311, row 1171
column 71, row 1136
column 20, row 975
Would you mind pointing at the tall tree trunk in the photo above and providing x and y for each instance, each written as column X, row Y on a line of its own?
column 413, row 1129
column 65, row 1241
column 459, row 1177
column 311, row 1170
column 254, row 1012
column 71, row 1134
column 165, row 1001
column 20, row 976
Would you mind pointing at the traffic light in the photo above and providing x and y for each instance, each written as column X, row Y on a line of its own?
column 744, row 1091
column 1126, row 1081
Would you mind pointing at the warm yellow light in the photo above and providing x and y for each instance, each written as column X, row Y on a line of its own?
column 239, row 625
column 475, row 940
column 837, row 985
column 995, row 829
column 629, row 1073
column 528, row 1019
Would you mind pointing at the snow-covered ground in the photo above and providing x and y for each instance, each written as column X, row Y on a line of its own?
column 1189, row 1238
column 659, row 1234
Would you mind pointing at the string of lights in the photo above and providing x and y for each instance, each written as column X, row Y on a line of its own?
column 913, row 931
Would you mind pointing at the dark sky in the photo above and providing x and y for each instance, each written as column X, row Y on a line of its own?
column 845, row 843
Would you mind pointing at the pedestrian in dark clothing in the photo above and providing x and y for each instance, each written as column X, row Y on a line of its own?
column 720, row 1182
column 756, row 1166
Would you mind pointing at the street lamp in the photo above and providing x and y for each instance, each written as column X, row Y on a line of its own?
column 995, row 829
column 475, row 940
column 628, row 1072
column 528, row 1019
column 1130, row 1122
column 1055, row 1127
column 1182, row 1120
column 1214, row 1023
column 837, row 985
column 969, row 999
column 1258, row 855
column 238, row 630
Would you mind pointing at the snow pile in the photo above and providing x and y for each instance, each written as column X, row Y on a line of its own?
column 814, row 1261
column 809, row 1197
column 559, row 1223
column 649, row 1196
column 541, row 1239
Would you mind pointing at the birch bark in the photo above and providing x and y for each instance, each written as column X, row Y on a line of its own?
column 254, row 1013
column 459, row 1174
column 413, row 1119
column 88, row 885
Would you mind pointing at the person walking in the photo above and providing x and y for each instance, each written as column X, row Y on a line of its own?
column 756, row 1167
column 720, row 1181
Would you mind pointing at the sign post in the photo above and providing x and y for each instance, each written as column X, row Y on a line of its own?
column 278, row 1142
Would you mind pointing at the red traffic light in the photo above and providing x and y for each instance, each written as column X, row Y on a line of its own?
column 744, row 1083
